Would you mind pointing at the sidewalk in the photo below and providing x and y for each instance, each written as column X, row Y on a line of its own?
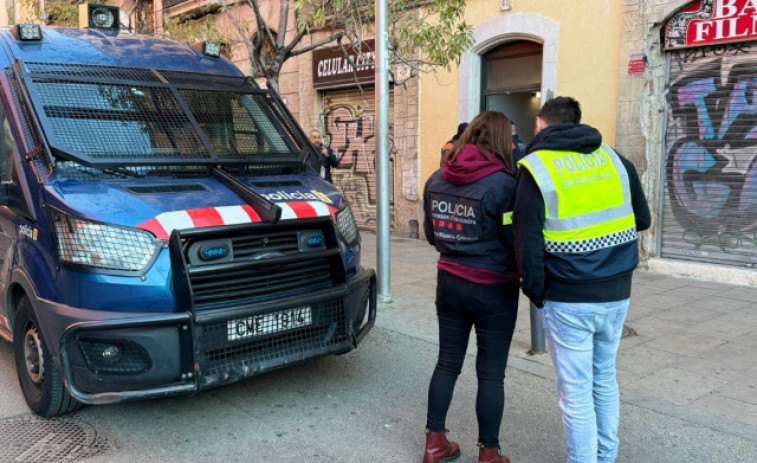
column 692, row 356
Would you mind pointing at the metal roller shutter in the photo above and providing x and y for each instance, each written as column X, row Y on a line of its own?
column 710, row 196
column 349, row 120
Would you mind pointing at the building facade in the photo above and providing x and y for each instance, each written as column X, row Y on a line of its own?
column 667, row 82
column 523, row 53
column 688, row 117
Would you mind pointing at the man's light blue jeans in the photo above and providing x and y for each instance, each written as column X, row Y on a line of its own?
column 583, row 342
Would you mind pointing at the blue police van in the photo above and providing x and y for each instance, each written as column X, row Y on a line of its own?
column 163, row 227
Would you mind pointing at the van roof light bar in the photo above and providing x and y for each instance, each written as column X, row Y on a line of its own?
column 211, row 49
column 28, row 32
column 95, row 16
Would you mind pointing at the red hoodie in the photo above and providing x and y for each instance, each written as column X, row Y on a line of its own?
column 469, row 166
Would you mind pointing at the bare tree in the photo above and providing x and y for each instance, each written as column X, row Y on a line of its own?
column 424, row 34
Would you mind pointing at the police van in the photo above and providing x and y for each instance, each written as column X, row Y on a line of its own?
column 163, row 228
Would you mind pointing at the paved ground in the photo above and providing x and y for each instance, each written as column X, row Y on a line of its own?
column 688, row 390
column 693, row 354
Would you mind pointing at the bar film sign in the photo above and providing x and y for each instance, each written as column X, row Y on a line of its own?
column 332, row 69
column 712, row 22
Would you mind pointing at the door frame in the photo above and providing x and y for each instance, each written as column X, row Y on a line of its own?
column 495, row 32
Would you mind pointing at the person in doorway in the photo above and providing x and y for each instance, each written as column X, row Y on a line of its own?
column 578, row 208
column 519, row 148
column 468, row 209
column 451, row 143
column 328, row 158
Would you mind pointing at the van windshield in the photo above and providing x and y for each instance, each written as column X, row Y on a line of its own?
column 98, row 118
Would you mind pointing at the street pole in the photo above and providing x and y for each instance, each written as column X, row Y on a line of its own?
column 382, row 150
column 538, row 346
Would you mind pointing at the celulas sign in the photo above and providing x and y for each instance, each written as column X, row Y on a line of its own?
column 331, row 68
column 711, row 22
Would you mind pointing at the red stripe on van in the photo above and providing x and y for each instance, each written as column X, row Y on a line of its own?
column 205, row 217
column 254, row 217
column 302, row 209
column 154, row 227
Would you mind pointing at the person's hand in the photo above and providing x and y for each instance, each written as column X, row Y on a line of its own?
column 323, row 151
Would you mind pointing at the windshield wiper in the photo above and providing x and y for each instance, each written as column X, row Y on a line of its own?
column 267, row 210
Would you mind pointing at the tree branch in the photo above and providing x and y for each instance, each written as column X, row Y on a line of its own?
column 296, row 40
column 255, row 50
column 262, row 25
column 238, row 29
column 283, row 21
column 320, row 43
column 353, row 65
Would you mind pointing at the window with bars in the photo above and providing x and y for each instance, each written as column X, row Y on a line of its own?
column 117, row 115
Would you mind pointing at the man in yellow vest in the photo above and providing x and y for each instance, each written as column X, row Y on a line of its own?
column 578, row 208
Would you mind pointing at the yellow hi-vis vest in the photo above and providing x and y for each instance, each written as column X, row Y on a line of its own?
column 587, row 199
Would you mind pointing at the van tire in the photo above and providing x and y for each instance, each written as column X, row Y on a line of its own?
column 43, row 390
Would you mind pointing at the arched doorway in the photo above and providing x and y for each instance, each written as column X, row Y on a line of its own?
column 512, row 82
column 494, row 32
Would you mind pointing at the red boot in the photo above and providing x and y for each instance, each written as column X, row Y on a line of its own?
column 439, row 449
column 492, row 455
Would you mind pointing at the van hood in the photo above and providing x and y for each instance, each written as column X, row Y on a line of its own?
column 163, row 205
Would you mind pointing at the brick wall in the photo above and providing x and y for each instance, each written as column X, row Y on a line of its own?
column 407, row 174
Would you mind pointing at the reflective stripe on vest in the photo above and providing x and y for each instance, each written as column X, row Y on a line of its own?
column 587, row 199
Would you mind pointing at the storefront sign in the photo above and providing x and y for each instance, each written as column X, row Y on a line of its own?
column 636, row 63
column 711, row 22
column 332, row 69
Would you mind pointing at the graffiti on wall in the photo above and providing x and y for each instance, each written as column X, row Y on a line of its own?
column 712, row 146
column 351, row 131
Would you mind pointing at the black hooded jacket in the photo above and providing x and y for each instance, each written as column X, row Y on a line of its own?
column 528, row 224
column 465, row 203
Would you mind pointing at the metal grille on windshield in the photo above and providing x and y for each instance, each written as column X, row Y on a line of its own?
column 109, row 115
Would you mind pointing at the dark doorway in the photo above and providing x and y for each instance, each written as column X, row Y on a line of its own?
column 512, row 83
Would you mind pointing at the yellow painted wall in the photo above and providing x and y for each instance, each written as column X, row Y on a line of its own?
column 587, row 58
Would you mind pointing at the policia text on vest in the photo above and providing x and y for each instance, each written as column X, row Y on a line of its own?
column 576, row 162
column 455, row 218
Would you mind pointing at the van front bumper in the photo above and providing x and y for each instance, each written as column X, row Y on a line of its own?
column 136, row 356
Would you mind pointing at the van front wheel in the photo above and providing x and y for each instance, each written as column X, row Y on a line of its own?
column 40, row 379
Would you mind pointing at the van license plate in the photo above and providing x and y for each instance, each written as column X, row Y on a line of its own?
column 269, row 323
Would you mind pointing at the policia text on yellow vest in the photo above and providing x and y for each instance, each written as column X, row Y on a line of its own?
column 574, row 162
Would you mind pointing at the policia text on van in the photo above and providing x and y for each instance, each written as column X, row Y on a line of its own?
column 163, row 228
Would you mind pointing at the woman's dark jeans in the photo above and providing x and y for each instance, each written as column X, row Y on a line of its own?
column 492, row 309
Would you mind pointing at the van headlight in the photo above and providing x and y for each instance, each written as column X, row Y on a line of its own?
column 345, row 223
column 99, row 246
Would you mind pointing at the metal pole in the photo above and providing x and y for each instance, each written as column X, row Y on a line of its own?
column 382, row 152
column 538, row 346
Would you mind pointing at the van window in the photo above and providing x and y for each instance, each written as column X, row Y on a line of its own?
column 10, row 189
column 7, row 143
column 103, row 117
